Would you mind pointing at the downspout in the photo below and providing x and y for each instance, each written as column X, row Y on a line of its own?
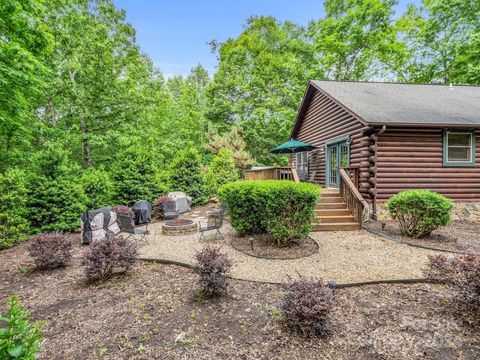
column 375, row 139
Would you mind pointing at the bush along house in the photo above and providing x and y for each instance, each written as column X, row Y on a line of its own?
column 376, row 139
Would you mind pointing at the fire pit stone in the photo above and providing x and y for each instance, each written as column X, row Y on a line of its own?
column 179, row 227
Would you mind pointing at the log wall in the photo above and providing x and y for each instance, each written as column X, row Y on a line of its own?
column 325, row 120
column 412, row 159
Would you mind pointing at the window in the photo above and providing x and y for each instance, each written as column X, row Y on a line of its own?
column 302, row 165
column 458, row 148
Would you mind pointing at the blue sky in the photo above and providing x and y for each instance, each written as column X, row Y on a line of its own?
column 174, row 33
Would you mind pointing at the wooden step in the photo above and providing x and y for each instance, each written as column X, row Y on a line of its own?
column 332, row 212
column 330, row 199
column 331, row 206
column 337, row 226
column 329, row 194
column 335, row 219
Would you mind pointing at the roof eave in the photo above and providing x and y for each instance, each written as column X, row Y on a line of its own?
column 423, row 125
column 306, row 100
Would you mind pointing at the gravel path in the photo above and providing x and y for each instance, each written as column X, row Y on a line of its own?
column 346, row 257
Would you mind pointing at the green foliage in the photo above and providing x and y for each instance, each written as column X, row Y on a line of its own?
column 234, row 142
column 282, row 209
column 261, row 76
column 354, row 38
column 419, row 212
column 13, row 207
column 186, row 175
column 56, row 204
column 222, row 171
column 20, row 338
column 134, row 178
column 25, row 40
column 98, row 188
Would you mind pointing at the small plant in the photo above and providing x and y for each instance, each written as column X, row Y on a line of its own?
column 306, row 306
column 158, row 205
column 212, row 268
column 419, row 212
column 103, row 256
column 20, row 337
column 123, row 209
column 51, row 250
column 463, row 272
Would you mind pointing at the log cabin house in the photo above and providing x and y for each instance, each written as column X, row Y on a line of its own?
column 388, row 137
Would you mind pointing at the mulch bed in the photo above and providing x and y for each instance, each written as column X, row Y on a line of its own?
column 460, row 236
column 264, row 247
column 150, row 313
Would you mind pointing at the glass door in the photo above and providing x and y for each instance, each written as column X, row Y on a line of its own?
column 338, row 156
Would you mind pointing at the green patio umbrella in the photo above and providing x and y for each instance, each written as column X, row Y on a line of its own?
column 292, row 146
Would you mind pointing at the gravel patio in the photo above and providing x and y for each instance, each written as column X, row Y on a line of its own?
column 346, row 257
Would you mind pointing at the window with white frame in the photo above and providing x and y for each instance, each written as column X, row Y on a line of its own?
column 458, row 148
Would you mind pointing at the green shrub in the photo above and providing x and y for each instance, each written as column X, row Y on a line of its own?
column 20, row 337
column 13, row 207
column 222, row 171
column 98, row 188
column 56, row 204
column 134, row 178
column 419, row 212
column 282, row 209
column 186, row 175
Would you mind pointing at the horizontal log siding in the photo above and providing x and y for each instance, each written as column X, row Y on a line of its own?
column 413, row 159
column 325, row 120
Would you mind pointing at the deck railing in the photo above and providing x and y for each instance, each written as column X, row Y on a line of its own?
column 352, row 197
column 270, row 173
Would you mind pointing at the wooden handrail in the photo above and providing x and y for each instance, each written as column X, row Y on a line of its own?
column 352, row 197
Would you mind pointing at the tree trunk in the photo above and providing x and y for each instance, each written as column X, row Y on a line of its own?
column 87, row 160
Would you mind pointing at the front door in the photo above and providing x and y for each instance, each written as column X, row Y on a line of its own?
column 338, row 156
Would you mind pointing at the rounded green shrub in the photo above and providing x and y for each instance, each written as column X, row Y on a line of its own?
column 419, row 212
column 221, row 171
column 98, row 188
column 13, row 207
column 186, row 175
column 134, row 176
column 55, row 204
column 282, row 209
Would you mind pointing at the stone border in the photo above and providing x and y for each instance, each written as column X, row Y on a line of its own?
column 337, row 286
column 398, row 241
column 280, row 258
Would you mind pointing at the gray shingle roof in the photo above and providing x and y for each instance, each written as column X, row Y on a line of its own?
column 392, row 103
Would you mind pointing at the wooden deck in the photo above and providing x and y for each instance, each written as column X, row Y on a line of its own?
column 272, row 173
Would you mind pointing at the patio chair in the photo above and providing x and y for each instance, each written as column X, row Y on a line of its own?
column 223, row 210
column 214, row 222
column 128, row 226
column 170, row 210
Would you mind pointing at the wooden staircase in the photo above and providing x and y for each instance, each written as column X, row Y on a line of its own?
column 332, row 213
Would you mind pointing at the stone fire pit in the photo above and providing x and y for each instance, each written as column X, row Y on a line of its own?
column 179, row 227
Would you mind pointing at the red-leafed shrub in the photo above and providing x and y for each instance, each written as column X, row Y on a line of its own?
column 462, row 271
column 158, row 205
column 103, row 256
column 123, row 209
column 306, row 306
column 212, row 267
column 51, row 250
